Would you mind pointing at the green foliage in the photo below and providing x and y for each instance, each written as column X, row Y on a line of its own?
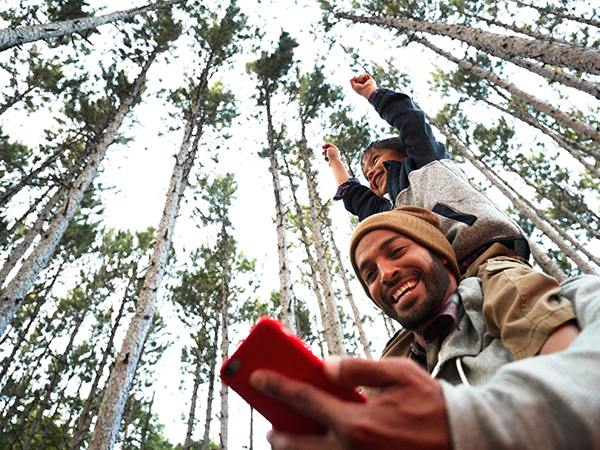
column 272, row 67
column 350, row 136
column 14, row 159
column 313, row 93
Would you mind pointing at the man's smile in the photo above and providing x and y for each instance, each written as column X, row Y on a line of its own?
column 404, row 288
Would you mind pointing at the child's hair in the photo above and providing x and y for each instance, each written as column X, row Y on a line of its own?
column 393, row 143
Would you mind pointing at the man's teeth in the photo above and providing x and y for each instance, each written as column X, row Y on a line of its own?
column 402, row 290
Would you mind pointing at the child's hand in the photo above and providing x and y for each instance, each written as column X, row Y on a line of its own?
column 330, row 152
column 363, row 85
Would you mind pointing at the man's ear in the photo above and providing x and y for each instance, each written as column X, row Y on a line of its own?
column 443, row 261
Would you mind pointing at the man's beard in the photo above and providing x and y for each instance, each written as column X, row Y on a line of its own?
column 436, row 281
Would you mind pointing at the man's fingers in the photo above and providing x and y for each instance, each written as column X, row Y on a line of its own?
column 352, row 372
column 283, row 441
column 303, row 397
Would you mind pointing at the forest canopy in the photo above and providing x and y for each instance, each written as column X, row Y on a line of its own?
column 162, row 186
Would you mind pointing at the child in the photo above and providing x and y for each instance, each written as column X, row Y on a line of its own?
column 414, row 169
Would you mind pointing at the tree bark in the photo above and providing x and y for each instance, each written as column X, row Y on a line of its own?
column 121, row 377
column 577, row 125
column 54, row 380
column 333, row 319
column 572, row 147
column 211, row 387
column 355, row 312
column 197, row 380
column 311, row 261
column 288, row 314
column 224, row 332
column 22, row 35
column 83, row 422
column 558, row 13
column 17, row 253
column 16, row 290
column 537, row 221
column 582, row 60
column 147, row 423
column 30, row 176
column 10, row 231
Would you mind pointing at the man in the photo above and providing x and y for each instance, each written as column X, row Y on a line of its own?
column 410, row 273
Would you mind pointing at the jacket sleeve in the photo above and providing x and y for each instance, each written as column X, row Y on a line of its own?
column 398, row 110
column 362, row 202
column 550, row 401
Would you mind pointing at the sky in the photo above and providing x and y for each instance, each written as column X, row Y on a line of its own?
column 139, row 175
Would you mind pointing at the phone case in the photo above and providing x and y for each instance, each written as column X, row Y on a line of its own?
column 271, row 345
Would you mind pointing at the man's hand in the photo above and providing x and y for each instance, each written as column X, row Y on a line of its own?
column 330, row 152
column 408, row 411
column 363, row 85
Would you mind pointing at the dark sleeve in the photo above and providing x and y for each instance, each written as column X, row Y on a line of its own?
column 362, row 202
column 398, row 110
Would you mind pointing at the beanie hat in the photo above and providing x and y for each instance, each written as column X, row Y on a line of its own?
column 417, row 224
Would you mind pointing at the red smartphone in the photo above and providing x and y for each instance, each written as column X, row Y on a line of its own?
column 273, row 346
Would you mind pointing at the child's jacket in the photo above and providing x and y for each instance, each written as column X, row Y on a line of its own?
column 429, row 179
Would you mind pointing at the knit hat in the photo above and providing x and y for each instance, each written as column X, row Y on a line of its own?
column 418, row 224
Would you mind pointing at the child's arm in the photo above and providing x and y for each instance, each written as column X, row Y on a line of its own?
column 332, row 156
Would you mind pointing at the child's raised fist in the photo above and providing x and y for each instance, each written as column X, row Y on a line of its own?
column 330, row 152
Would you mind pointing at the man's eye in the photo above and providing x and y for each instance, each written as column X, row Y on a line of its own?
column 397, row 251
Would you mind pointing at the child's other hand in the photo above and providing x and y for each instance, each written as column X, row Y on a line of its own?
column 363, row 85
column 330, row 152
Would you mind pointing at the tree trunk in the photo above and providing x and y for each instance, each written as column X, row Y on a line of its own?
column 54, row 380
column 42, row 444
column 584, row 224
column 572, row 147
column 576, row 58
column 34, row 173
column 251, row 446
column 333, row 318
column 16, row 290
column 36, row 310
column 17, row 253
column 22, row 35
column 224, row 333
column 547, row 10
column 10, row 231
column 211, row 386
column 121, row 377
column 288, row 312
column 537, row 221
column 546, row 263
column 15, row 99
column 539, row 256
column 311, row 262
column 552, row 75
column 84, row 420
column 147, row 423
column 355, row 312
column 577, row 125
column 197, row 380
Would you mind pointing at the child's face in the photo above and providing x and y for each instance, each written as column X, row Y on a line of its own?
column 374, row 171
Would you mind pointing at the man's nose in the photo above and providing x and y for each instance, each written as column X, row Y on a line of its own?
column 389, row 271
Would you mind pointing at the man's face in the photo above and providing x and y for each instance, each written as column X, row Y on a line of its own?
column 408, row 282
column 374, row 171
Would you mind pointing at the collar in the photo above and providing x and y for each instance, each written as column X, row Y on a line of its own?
column 437, row 330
